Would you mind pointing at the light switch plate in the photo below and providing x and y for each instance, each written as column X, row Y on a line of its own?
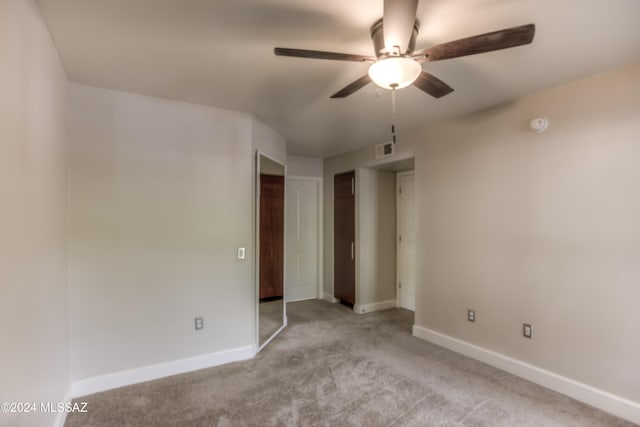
column 241, row 253
column 199, row 321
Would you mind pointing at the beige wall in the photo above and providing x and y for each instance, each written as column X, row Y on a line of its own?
column 268, row 141
column 375, row 236
column 538, row 228
column 34, row 354
column 305, row 166
column 160, row 197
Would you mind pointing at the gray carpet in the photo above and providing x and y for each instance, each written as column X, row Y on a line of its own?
column 331, row 367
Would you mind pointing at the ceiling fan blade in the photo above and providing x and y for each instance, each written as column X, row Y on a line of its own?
column 350, row 88
column 397, row 23
column 316, row 54
column 432, row 85
column 495, row 40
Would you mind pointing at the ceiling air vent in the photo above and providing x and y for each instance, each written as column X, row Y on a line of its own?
column 385, row 150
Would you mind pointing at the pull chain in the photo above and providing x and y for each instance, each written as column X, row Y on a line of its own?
column 393, row 114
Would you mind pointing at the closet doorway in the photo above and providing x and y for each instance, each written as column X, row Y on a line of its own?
column 344, row 238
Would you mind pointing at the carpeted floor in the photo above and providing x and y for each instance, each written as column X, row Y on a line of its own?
column 331, row 367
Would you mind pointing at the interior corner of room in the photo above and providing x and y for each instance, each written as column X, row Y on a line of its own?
column 145, row 236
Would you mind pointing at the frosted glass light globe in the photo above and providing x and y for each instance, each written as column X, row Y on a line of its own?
column 394, row 72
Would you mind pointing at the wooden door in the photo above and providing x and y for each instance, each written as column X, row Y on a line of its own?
column 271, row 236
column 344, row 237
column 302, row 238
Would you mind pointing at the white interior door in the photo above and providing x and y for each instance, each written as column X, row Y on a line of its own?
column 406, row 264
column 302, row 216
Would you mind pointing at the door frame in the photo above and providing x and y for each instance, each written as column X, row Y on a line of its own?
column 398, row 175
column 319, row 229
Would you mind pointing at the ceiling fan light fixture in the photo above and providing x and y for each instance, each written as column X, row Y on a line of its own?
column 394, row 72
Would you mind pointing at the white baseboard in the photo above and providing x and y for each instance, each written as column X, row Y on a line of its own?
column 147, row 373
column 61, row 417
column 330, row 298
column 368, row 308
column 600, row 399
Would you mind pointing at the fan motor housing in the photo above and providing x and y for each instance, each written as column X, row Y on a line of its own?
column 377, row 35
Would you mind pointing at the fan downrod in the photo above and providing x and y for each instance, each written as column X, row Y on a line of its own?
column 377, row 35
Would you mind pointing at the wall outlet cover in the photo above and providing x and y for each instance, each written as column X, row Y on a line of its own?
column 471, row 315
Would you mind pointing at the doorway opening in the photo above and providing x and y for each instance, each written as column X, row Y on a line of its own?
column 385, row 237
column 344, row 237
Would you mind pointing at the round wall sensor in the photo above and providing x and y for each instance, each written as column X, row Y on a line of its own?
column 539, row 124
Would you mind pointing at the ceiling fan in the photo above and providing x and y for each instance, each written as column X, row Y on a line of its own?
column 397, row 64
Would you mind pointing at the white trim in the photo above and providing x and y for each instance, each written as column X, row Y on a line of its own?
column 600, row 399
column 320, row 237
column 305, row 178
column 376, row 306
column 330, row 298
column 411, row 307
column 254, row 240
column 62, row 416
column 284, row 255
column 153, row 372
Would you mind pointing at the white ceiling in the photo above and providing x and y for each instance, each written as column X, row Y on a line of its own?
column 220, row 53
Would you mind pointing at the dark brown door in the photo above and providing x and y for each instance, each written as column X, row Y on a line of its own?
column 344, row 237
column 271, row 235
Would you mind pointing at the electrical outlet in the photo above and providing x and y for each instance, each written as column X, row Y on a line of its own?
column 199, row 323
column 471, row 315
column 526, row 330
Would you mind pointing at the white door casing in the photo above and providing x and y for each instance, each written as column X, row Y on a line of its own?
column 406, row 238
column 302, row 274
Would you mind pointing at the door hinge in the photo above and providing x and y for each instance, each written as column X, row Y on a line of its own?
column 353, row 186
column 400, row 190
column 399, row 237
column 400, row 285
